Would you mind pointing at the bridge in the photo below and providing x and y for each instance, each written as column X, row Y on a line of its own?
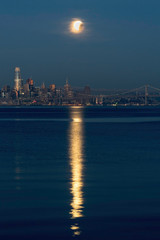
column 146, row 92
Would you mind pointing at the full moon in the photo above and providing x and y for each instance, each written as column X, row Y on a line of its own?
column 76, row 26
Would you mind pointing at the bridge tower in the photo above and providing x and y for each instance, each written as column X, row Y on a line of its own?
column 146, row 94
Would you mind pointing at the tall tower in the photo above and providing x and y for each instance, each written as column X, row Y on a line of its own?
column 17, row 80
column 67, row 90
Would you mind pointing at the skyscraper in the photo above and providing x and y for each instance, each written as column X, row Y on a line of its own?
column 30, row 83
column 67, row 90
column 17, row 80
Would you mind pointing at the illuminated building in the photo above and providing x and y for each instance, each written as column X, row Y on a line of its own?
column 26, row 88
column 30, row 83
column 17, row 80
column 6, row 88
column 43, row 86
column 67, row 90
column 52, row 88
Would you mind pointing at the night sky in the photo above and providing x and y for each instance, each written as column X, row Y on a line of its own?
column 120, row 47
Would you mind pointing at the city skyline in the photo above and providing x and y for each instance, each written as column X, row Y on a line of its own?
column 12, row 83
column 28, row 93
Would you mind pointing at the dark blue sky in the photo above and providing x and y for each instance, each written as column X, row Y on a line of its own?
column 120, row 48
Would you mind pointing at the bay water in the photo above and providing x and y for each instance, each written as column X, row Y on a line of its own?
column 80, row 173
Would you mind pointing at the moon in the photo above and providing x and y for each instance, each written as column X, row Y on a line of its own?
column 76, row 26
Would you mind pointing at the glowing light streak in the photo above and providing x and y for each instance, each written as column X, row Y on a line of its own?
column 76, row 163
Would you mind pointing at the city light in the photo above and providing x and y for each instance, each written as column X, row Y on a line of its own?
column 25, row 92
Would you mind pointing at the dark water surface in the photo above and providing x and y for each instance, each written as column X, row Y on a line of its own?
column 80, row 173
